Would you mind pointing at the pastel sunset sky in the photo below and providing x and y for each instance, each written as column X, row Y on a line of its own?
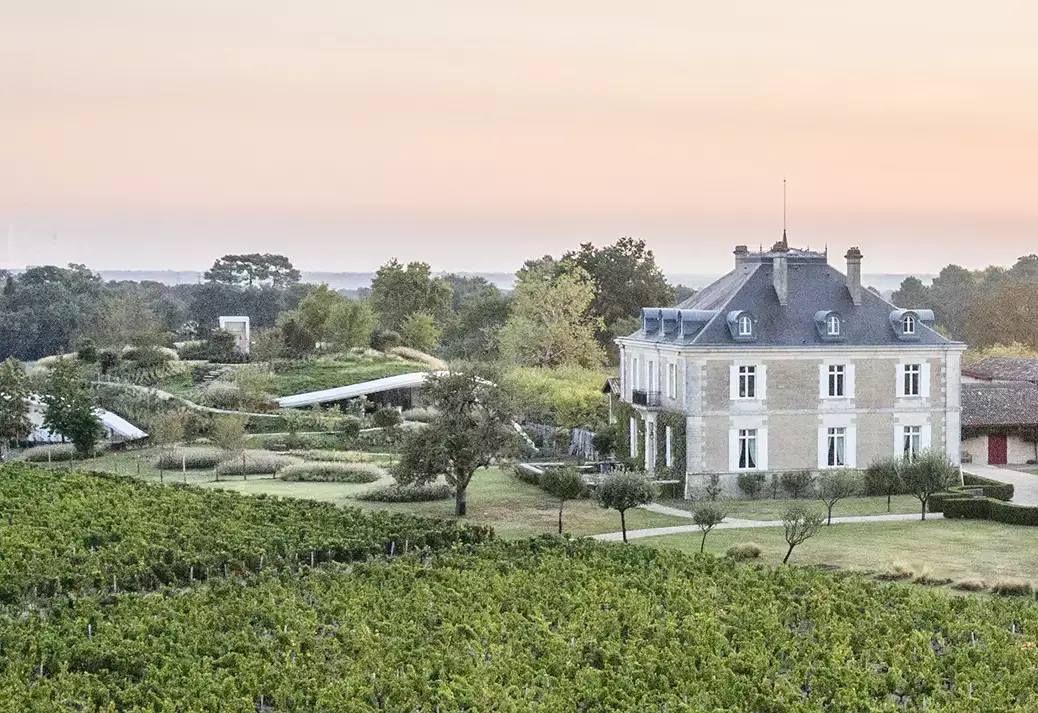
column 474, row 134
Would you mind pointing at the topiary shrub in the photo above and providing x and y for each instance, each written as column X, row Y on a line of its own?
column 330, row 472
column 53, row 453
column 330, row 456
column 387, row 417
column 1012, row 588
column 408, row 493
column 191, row 457
column 743, row 551
column 220, row 394
column 256, row 463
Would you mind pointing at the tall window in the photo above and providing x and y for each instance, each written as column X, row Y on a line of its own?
column 908, row 324
column 837, row 447
column 913, row 441
column 747, row 448
column 636, row 380
column 670, row 452
column 837, row 374
column 672, row 380
column 832, row 326
column 747, row 382
column 634, row 437
column 653, row 385
column 745, row 326
column 913, row 375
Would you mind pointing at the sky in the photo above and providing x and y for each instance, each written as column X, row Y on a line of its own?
column 473, row 135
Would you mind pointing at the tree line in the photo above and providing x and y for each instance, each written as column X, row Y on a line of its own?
column 563, row 310
column 984, row 308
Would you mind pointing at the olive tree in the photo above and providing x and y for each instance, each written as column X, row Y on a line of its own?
column 926, row 474
column 623, row 491
column 800, row 525
column 835, row 485
column 564, row 484
column 708, row 516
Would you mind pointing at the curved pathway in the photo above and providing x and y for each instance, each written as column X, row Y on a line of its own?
column 167, row 396
column 737, row 524
column 1025, row 485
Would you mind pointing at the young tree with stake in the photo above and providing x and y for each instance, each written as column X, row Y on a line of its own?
column 926, row 474
column 800, row 525
column 565, row 484
column 708, row 516
column 833, row 486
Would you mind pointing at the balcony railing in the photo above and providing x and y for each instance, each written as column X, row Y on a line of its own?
column 650, row 399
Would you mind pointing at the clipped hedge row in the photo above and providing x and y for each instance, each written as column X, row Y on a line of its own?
column 992, row 488
column 990, row 509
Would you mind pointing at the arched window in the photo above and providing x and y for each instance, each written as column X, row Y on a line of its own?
column 745, row 326
column 908, row 324
column 832, row 325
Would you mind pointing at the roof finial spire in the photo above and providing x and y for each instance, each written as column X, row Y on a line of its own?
column 784, row 241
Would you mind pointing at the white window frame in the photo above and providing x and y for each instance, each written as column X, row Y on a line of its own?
column 760, row 380
column 745, row 325
column 908, row 324
column 832, row 326
column 747, row 386
column 909, row 434
column 911, row 380
column 672, row 380
column 836, row 381
column 653, row 383
column 636, row 378
column 838, row 425
column 745, row 439
column 669, row 435
column 836, row 442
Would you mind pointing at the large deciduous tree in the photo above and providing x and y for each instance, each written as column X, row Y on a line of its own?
column 471, row 428
column 254, row 270
column 550, row 325
column 626, row 278
column 1004, row 315
column 14, row 405
column 398, row 291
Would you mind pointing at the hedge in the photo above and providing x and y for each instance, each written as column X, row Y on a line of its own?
column 990, row 509
column 990, row 489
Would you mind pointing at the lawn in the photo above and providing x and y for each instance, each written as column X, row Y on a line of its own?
column 769, row 509
column 515, row 509
column 955, row 549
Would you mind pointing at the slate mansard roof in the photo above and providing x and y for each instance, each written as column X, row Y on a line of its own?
column 814, row 290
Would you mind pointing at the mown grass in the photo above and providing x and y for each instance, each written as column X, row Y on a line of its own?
column 953, row 549
column 770, row 509
column 328, row 373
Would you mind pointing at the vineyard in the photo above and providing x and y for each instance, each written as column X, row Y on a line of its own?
column 66, row 533
column 462, row 623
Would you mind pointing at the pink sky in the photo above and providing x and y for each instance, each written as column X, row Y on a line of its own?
column 475, row 134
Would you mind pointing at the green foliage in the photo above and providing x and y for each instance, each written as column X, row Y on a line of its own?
column 550, row 324
column 472, row 428
column 742, row 551
column 14, row 404
column 387, row 417
column 835, row 485
column 569, row 397
column 332, row 472
column 55, row 452
column 472, row 333
column 86, row 351
column 221, row 347
column 329, row 372
column 71, row 532
column 229, row 433
column 349, row 428
column 926, row 474
column 414, row 493
column 989, row 509
column 707, row 516
column 253, row 270
column 752, row 484
column 992, row 488
column 107, row 359
column 398, row 291
column 797, row 483
column 334, row 320
column 623, row 491
column 883, row 477
column 419, row 331
column 69, row 404
column 799, row 525
column 385, row 339
column 563, row 484
column 677, row 423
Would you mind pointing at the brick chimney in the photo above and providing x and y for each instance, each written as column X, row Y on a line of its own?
column 854, row 274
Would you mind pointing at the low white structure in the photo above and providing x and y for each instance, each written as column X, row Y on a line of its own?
column 414, row 380
column 117, row 428
column 239, row 327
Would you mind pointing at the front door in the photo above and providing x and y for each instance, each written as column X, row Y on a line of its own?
column 998, row 450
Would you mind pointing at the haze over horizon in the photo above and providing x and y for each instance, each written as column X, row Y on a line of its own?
column 474, row 136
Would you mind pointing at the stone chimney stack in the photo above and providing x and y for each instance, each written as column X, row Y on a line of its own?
column 854, row 274
column 780, row 271
column 741, row 251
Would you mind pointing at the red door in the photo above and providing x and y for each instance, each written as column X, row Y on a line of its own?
column 998, row 450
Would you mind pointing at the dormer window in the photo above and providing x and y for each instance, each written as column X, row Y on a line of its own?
column 745, row 326
column 832, row 325
column 908, row 324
